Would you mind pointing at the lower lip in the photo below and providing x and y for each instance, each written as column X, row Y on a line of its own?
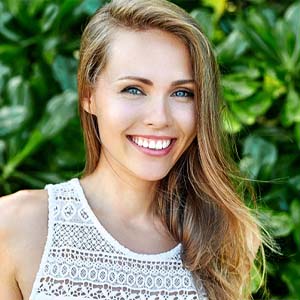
column 153, row 152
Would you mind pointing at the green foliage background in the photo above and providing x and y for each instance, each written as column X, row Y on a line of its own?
column 258, row 47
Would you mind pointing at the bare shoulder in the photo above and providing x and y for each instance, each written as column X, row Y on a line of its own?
column 23, row 222
column 22, row 207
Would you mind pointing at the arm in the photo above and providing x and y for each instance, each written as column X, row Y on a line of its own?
column 9, row 289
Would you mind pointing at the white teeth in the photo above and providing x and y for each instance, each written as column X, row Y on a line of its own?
column 159, row 145
column 145, row 144
column 151, row 144
column 165, row 144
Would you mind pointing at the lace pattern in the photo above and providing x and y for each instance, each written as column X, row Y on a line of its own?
column 82, row 260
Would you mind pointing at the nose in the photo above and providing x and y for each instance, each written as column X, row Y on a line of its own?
column 158, row 113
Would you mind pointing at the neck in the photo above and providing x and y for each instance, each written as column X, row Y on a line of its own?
column 122, row 194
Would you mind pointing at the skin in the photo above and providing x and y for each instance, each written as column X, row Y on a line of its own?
column 123, row 107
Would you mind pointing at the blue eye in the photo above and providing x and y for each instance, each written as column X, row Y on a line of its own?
column 132, row 90
column 183, row 94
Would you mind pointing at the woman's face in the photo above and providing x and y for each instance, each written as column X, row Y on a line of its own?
column 144, row 103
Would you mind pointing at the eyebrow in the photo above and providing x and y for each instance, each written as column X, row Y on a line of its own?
column 149, row 82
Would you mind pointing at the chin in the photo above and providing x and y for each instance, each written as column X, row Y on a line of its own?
column 152, row 176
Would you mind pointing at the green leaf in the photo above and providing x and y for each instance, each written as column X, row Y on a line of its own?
column 236, row 89
column 6, row 17
column 291, row 110
column 14, row 6
column 50, row 48
column 249, row 109
column 59, row 111
column 205, row 20
column 242, row 113
column 258, row 32
column 295, row 182
column 292, row 16
column 231, row 48
column 297, row 134
column 295, row 213
column 291, row 276
column 2, row 149
column 279, row 224
column 230, row 123
column 4, row 73
column 34, row 6
column 49, row 17
column 18, row 92
column 9, row 52
column 218, row 7
column 67, row 8
column 288, row 48
column 32, row 145
column 88, row 7
column 256, row 279
column 12, row 119
column 38, row 80
column 64, row 71
column 272, row 84
column 258, row 155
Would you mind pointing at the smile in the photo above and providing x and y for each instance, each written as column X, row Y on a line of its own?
column 153, row 145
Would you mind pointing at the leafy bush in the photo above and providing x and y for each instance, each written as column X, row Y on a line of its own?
column 258, row 48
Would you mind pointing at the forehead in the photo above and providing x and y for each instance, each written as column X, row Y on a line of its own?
column 153, row 54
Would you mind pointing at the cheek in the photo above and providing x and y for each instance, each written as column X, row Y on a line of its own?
column 116, row 117
column 186, row 119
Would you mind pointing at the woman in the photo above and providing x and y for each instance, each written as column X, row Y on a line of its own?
column 157, row 213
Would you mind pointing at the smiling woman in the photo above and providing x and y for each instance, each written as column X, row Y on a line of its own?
column 157, row 213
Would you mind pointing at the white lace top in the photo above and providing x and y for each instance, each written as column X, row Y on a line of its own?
column 81, row 260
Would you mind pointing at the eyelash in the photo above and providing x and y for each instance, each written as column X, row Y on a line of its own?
column 188, row 94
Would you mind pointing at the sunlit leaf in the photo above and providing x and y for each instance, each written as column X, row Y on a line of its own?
column 236, row 89
column 230, row 123
column 291, row 111
column 278, row 223
column 4, row 72
column 205, row 20
column 292, row 15
column 217, row 5
column 249, row 109
column 18, row 92
column 6, row 17
column 12, row 118
column 59, row 111
column 259, row 154
column 64, row 71
column 49, row 17
column 231, row 48
column 272, row 84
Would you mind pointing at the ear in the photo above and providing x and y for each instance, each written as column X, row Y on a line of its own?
column 88, row 103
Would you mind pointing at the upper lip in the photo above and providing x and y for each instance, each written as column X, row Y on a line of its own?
column 153, row 137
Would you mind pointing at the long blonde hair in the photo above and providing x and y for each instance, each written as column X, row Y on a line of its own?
column 200, row 200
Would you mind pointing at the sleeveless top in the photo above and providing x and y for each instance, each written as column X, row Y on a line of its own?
column 81, row 260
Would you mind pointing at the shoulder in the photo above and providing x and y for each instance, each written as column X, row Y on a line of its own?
column 22, row 207
column 20, row 211
column 23, row 217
